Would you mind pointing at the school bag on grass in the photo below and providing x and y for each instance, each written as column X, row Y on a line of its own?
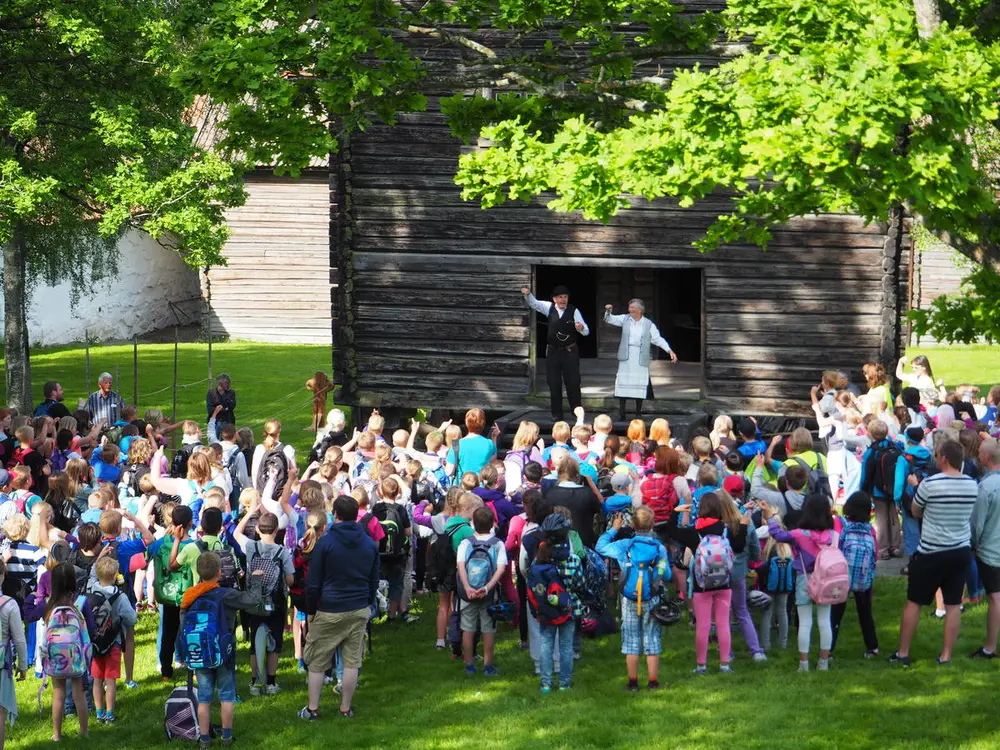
column 67, row 651
column 830, row 580
column 180, row 713
column 480, row 565
column 713, row 562
column 206, row 641
column 858, row 547
column 639, row 570
column 548, row 599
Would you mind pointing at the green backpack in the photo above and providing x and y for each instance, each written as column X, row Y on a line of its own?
column 169, row 585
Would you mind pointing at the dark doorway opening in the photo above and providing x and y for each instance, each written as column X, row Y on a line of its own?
column 582, row 284
column 678, row 311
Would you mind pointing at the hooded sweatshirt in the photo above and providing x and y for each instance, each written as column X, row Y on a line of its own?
column 503, row 509
column 343, row 570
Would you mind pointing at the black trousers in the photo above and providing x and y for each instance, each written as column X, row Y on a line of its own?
column 171, row 625
column 863, row 601
column 522, row 610
column 561, row 366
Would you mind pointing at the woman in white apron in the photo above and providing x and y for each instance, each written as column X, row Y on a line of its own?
column 638, row 335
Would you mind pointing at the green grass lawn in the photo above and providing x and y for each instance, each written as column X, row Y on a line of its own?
column 269, row 379
column 978, row 365
column 412, row 696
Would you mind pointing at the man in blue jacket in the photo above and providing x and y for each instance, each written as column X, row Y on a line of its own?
column 340, row 589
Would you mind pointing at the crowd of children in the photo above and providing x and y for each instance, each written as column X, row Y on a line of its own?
column 98, row 527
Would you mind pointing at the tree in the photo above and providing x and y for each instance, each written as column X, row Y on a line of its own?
column 846, row 105
column 92, row 141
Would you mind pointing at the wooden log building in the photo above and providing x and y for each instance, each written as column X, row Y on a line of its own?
column 422, row 288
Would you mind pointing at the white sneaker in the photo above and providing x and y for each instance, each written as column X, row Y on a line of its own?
column 803, row 666
column 272, row 689
column 328, row 680
column 255, row 689
column 823, row 665
column 760, row 656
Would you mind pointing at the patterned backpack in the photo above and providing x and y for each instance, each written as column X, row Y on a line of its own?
column 713, row 562
column 67, row 651
column 206, row 640
column 858, row 547
column 180, row 712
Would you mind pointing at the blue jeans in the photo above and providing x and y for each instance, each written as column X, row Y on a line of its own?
column 911, row 534
column 549, row 633
column 975, row 582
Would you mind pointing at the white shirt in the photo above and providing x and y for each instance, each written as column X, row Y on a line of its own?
column 545, row 307
column 635, row 331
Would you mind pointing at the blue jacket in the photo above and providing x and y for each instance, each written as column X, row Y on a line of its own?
column 905, row 468
column 343, row 570
column 751, row 449
column 618, row 551
column 875, row 448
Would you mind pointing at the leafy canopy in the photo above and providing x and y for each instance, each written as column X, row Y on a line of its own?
column 92, row 136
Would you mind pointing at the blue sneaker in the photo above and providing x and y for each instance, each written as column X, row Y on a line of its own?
column 491, row 671
column 470, row 669
column 546, row 689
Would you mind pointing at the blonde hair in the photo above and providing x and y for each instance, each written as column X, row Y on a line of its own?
column 20, row 477
column 249, row 497
column 107, row 570
column 701, row 446
column 25, row 434
column 470, row 480
column 41, row 514
column 215, row 497
column 315, row 523
column 78, row 472
column 199, row 468
column 383, row 456
column 361, row 495
column 68, row 423
column 659, row 431
column 110, row 523
column 139, row 451
column 272, row 431
column 451, row 500
column 16, row 527
column 643, row 518
column 451, row 434
column 376, row 423
column 730, row 513
column 526, row 436
column 723, row 428
column 800, row 441
column 561, row 432
column 468, row 502
column 603, row 423
column 569, row 470
column 190, row 427
column 582, row 433
column 434, row 441
column 636, row 431
column 708, row 476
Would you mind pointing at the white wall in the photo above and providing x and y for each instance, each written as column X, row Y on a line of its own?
column 136, row 302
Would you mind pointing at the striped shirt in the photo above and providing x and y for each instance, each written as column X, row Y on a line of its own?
column 107, row 408
column 25, row 559
column 947, row 503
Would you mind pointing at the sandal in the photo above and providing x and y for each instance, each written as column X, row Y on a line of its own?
column 348, row 714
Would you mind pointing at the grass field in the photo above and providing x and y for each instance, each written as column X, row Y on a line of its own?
column 978, row 365
column 269, row 379
column 412, row 696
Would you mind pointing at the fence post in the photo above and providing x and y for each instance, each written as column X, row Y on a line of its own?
column 173, row 415
column 118, row 379
column 135, row 371
column 86, row 345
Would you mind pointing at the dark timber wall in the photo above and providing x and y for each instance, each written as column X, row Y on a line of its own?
column 431, row 313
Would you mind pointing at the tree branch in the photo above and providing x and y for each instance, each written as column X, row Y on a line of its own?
column 986, row 254
column 928, row 17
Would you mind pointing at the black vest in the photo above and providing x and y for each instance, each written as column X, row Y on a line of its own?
column 562, row 331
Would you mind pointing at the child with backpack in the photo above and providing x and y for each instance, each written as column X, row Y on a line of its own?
column 878, row 472
column 266, row 620
column 857, row 542
column 67, row 651
column 713, row 544
column 645, row 567
column 481, row 562
column 812, row 540
column 394, row 547
column 777, row 579
column 208, row 641
column 916, row 461
column 170, row 584
column 316, row 524
column 554, row 585
column 15, row 656
column 113, row 616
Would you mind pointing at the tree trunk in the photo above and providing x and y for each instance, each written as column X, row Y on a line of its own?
column 928, row 17
column 15, row 329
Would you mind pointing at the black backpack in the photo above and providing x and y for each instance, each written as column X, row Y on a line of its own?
column 179, row 466
column 230, row 573
column 273, row 457
column 319, row 451
column 880, row 469
column 392, row 546
column 105, row 633
column 234, row 496
column 442, row 564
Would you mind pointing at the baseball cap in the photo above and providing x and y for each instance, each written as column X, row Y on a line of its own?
column 915, row 434
column 620, row 481
column 734, row 485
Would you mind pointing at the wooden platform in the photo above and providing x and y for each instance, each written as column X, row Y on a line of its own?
column 671, row 382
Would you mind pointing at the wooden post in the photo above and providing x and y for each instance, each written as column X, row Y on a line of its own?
column 135, row 371
column 173, row 413
column 889, row 349
column 118, row 373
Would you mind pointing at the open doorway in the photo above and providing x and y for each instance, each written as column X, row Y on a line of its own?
column 582, row 284
column 678, row 310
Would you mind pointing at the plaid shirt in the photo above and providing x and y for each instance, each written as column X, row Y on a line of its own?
column 571, row 572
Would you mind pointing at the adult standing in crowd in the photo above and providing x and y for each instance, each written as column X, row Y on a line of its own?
column 340, row 591
column 639, row 333
column 222, row 395
column 104, row 404
column 986, row 541
column 53, row 405
column 562, row 357
column 945, row 502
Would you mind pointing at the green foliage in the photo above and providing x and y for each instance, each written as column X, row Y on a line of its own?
column 970, row 316
column 92, row 137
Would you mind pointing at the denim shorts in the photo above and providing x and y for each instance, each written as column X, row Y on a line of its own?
column 222, row 678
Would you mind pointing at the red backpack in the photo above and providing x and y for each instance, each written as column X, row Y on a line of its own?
column 17, row 459
column 661, row 496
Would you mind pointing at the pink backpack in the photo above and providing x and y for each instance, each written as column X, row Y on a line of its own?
column 830, row 581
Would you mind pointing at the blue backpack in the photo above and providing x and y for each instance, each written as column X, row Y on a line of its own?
column 595, row 576
column 480, row 565
column 639, row 570
column 696, row 494
column 548, row 599
column 780, row 576
column 858, row 546
column 206, row 640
